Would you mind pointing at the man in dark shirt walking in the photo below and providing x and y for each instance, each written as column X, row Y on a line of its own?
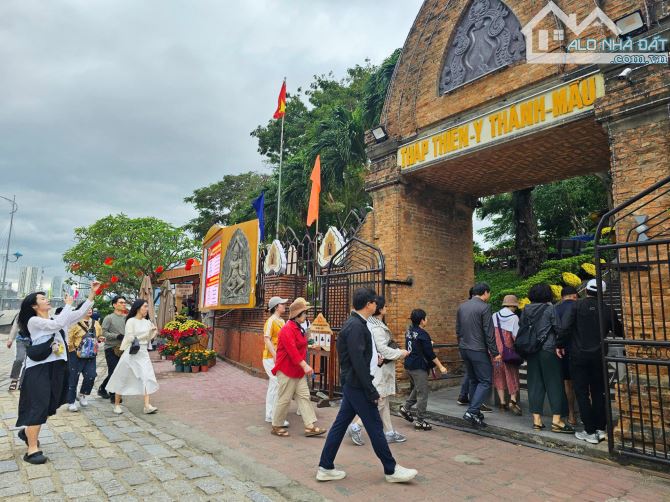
column 359, row 395
column 476, row 340
column 582, row 338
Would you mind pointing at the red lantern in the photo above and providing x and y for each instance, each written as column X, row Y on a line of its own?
column 189, row 264
column 114, row 279
column 159, row 269
column 109, row 260
column 99, row 290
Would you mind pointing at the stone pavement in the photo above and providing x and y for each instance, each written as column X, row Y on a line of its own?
column 97, row 455
column 227, row 405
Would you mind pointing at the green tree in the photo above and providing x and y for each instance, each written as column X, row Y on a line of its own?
column 376, row 88
column 137, row 247
column 562, row 209
column 225, row 202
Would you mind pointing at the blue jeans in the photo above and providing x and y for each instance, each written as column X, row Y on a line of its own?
column 465, row 386
column 480, row 374
column 85, row 367
column 355, row 403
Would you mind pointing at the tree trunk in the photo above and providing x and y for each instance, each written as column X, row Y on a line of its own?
column 530, row 251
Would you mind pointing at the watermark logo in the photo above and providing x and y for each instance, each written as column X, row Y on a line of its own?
column 588, row 50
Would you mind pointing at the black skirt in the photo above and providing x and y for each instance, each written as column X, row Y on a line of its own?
column 43, row 391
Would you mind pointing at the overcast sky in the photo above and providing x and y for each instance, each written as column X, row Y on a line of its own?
column 126, row 105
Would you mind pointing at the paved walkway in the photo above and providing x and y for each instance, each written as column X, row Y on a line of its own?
column 97, row 455
column 227, row 405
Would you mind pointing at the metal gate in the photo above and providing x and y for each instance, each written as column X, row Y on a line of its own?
column 356, row 265
column 636, row 269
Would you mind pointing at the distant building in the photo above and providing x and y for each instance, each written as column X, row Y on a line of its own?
column 28, row 280
column 57, row 287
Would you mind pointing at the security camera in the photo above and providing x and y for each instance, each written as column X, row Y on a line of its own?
column 625, row 74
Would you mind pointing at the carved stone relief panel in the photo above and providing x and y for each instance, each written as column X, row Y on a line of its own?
column 487, row 37
column 236, row 276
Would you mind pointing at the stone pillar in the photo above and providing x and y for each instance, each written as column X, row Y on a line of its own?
column 636, row 115
column 426, row 237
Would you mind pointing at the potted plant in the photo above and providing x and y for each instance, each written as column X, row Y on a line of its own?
column 211, row 357
column 181, row 361
column 168, row 350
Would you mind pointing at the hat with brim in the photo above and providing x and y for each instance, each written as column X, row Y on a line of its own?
column 592, row 286
column 276, row 300
column 510, row 301
column 298, row 306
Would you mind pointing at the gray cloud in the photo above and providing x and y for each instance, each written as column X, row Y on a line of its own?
column 124, row 106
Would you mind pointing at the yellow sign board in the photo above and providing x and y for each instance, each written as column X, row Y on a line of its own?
column 556, row 105
column 230, row 263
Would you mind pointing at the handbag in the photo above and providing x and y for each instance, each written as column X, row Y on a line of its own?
column 134, row 347
column 40, row 351
column 509, row 355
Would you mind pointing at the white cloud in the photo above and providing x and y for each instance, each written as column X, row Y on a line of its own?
column 123, row 106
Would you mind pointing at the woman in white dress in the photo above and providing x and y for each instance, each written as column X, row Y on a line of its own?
column 134, row 375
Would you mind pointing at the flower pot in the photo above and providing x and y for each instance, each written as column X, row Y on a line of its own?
column 189, row 340
column 195, row 369
column 211, row 362
column 204, row 369
column 187, row 369
column 170, row 358
column 178, row 368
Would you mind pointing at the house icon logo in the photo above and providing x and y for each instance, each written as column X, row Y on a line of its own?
column 589, row 50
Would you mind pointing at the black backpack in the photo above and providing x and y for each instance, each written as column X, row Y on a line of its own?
column 527, row 340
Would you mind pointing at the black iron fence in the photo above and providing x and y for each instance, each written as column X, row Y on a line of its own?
column 636, row 269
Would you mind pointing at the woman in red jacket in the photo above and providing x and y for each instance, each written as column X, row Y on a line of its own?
column 290, row 370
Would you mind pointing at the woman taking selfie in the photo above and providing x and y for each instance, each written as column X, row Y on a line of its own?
column 134, row 375
column 44, row 383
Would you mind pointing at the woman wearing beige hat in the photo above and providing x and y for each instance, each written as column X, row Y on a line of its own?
column 274, row 324
column 290, row 370
column 506, row 374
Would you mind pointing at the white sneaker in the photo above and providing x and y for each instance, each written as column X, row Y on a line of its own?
column 286, row 422
column 149, row 410
column 83, row 401
column 602, row 435
column 589, row 438
column 354, row 431
column 401, row 475
column 118, row 410
column 73, row 407
column 329, row 474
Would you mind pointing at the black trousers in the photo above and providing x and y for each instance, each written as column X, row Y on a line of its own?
column 112, row 360
column 355, row 403
column 589, row 385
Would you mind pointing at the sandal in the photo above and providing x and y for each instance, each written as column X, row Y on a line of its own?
column 515, row 408
column 13, row 385
column 314, row 431
column 35, row 458
column 406, row 414
column 564, row 429
column 539, row 427
column 422, row 425
column 279, row 431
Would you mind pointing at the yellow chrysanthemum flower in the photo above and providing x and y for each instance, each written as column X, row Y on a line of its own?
column 571, row 279
column 556, row 290
column 606, row 231
column 589, row 268
column 523, row 302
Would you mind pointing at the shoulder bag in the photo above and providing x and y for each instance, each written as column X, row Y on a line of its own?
column 134, row 347
column 40, row 351
column 509, row 355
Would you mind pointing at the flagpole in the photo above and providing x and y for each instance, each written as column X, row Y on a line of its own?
column 281, row 158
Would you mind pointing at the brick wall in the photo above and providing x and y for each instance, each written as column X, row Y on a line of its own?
column 414, row 102
column 238, row 334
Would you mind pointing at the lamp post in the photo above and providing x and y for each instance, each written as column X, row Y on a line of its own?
column 15, row 207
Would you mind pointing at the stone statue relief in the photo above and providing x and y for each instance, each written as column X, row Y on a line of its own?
column 486, row 38
column 236, row 283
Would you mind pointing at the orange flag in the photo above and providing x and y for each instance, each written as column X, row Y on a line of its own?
column 281, row 102
column 313, row 210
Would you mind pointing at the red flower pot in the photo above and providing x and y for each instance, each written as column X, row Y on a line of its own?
column 204, row 369
column 195, row 369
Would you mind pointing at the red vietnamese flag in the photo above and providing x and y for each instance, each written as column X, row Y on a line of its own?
column 281, row 102
column 313, row 209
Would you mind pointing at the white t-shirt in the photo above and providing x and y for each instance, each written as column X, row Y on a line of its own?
column 41, row 330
